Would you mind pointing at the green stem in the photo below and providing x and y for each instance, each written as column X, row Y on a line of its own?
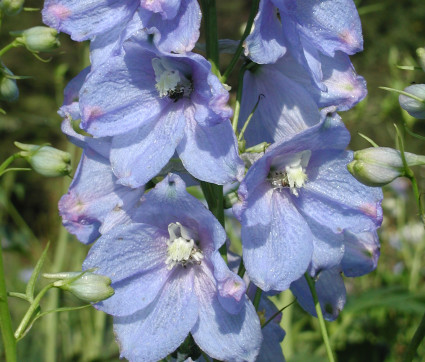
column 404, row 93
column 416, row 341
column 20, row 331
column 13, row 44
column 257, row 298
column 245, row 126
column 241, row 270
column 8, row 161
column 209, row 12
column 254, row 9
column 214, row 196
column 9, row 340
column 311, row 284
column 213, row 193
column 238, row 98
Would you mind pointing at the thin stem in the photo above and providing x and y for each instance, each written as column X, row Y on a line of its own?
column 213, row 193
column 228, row 71
column 245, row 126
column 277, row 313
column 13, row 44
column 257, row 298
column 415, row 342
column 214, row 196
column 20, row 331
column 238, row 98
column 8, row 161
column 241, row 270
column 9, row 340
column 311, row 284
column 209, row 12
column 410, row 95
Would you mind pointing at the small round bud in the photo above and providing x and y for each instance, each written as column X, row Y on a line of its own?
column 378, row 166
column 46, row 160
column 8, row 89
column 414, row 106
column 87, row 286
column 11, row 7
column 39, row 39
column 420, row 52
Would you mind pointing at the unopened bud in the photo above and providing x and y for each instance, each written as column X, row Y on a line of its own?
column 46, row 160
column 415, row 104
column 378, row 166
column 8, row 89
column 420, row 52
column 39, row 39
column 86, row 286
column 11, row 7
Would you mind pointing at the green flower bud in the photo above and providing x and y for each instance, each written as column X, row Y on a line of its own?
column 378, row 166
column 86, row 286
column 415, row 104
column 11, row 7
column 420, row 52
column 39, row 39
column 8, row 89
column 46, row 160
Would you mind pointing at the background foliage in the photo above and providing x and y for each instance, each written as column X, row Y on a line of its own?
column 383, row 308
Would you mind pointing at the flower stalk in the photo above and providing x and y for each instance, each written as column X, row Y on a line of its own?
column 311, row 285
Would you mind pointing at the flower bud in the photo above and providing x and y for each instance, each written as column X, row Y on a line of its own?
column 46, row 160
column 39, row 39
column 8, row 89
column 378, row 166
column 415, row 105
column 11, row 7
column 420, row 52
column 86, row 286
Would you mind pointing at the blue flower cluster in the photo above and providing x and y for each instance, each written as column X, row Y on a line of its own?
column 151, row 109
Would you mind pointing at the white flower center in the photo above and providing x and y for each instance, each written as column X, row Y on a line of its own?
column 182, row 249
column 289, row 171
column 170, row 82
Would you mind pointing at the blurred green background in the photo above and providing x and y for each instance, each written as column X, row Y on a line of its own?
column 383, row 308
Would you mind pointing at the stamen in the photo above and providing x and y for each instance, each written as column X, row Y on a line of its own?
column 289, row 171
column 182, row 249
column 170, row 82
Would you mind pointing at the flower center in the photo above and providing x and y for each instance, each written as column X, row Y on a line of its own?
column 289, row 171
column 182, row 249
column 170, row 82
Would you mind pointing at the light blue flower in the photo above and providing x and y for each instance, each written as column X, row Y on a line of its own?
column 170, row 280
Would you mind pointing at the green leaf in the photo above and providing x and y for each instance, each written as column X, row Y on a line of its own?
column 34, row 276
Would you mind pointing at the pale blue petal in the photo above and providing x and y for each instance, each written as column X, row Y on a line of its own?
column 277, row 249
column 210, row 153
column 139, row 155
column 224, row 336
column 157, row 330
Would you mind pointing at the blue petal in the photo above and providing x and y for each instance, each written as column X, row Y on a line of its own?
column 157, row 330
column 231, row 288
column 139, row 155
column 120, row 95
column 280, row 114
column 128, row 250
column 93, row 194
column 224, row 336
column 210, row 153
column 265, row 44
column 333, row 197
column 361, row 253
column 169, row 202
column 276, row 240
column 84, row 19
column 177, row 33
column 330, row 291
column 330, row 25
